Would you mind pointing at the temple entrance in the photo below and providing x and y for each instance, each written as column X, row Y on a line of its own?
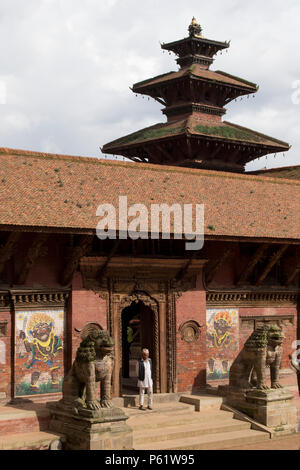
column 137, row 332
column 146, row 320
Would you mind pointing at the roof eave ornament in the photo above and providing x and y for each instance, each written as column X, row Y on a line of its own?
column 195, row 29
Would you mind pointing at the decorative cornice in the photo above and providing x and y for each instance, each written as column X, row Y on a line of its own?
column 103, row 295
column 194, row 59
column 251, row 298
column 5, row 301
column 252, row 321
column 40, row 298
column 193, row 107
column 128, row 270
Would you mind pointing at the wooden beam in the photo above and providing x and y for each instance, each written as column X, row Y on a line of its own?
column 274, row 259
column 292, row 276
column 77, row 252
column 102, row 270
column 294, row 270
column 189, row 148
column 218, row 264
column 31, row 256
column 150, row 153
column 7, row 250
column 232, row 155
column 165, row 153
column 179, row 150
column 138, row 159
column 182, row 272
column 252, row 263
column 215, row 152
column 159, row 100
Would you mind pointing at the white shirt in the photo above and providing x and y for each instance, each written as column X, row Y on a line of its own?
column 147, row 382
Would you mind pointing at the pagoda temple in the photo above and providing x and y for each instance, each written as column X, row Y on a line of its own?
column 194, row 100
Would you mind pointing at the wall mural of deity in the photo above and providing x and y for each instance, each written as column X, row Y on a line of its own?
column 221, row 341
column 39, row 337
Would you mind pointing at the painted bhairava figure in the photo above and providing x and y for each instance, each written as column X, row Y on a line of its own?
column 93, row 363
column 262, row 349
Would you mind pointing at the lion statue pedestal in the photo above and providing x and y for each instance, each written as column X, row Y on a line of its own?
column 104, row 429
column 272, row 408
column 248, row 391
column 86, row 422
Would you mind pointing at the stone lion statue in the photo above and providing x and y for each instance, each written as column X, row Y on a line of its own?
column 93, row 363
column 262, row 349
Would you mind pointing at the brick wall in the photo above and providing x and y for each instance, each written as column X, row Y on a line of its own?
column 289, row 330
column 86, row 306
column 191, row 357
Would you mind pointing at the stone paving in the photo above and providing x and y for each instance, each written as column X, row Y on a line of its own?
column 281, row 443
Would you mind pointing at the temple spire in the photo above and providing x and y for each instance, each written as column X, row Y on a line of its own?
column 195, row 29
column 194, row 99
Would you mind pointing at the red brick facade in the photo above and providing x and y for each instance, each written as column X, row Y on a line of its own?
column 288, row 327
column 85, row 305
column 191, row 357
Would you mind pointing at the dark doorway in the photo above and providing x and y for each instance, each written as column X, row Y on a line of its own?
column 137, row 333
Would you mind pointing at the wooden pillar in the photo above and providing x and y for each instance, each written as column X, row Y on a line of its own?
column 162, row 346
column 116, row 333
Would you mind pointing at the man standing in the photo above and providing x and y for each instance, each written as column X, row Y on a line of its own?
column 144, row 373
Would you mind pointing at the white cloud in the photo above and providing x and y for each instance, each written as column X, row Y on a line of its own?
column 3, row 91
column 68, row 66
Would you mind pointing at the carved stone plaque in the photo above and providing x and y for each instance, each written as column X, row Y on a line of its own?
column 189, row 331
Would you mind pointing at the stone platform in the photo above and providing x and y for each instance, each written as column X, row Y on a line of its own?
column 26, row 426
column 272, row 408
column 103, row 429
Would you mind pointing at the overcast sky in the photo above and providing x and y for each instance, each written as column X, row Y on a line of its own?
column 66, row 67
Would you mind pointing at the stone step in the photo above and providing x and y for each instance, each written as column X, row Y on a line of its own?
column 19, row 420
column 31, row 441
column 216, row 441
column 203, row 402
column 185, row 431
column 161, row 408
column 130, row 400
column 164, row 420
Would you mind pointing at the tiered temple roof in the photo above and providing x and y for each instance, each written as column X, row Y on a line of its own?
column 289, row 172
column 194, row 98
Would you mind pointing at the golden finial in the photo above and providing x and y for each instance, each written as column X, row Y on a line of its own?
column 195, row 28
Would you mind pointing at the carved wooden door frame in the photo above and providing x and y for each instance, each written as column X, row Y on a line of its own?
column 150, row 302
column 164, row 329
